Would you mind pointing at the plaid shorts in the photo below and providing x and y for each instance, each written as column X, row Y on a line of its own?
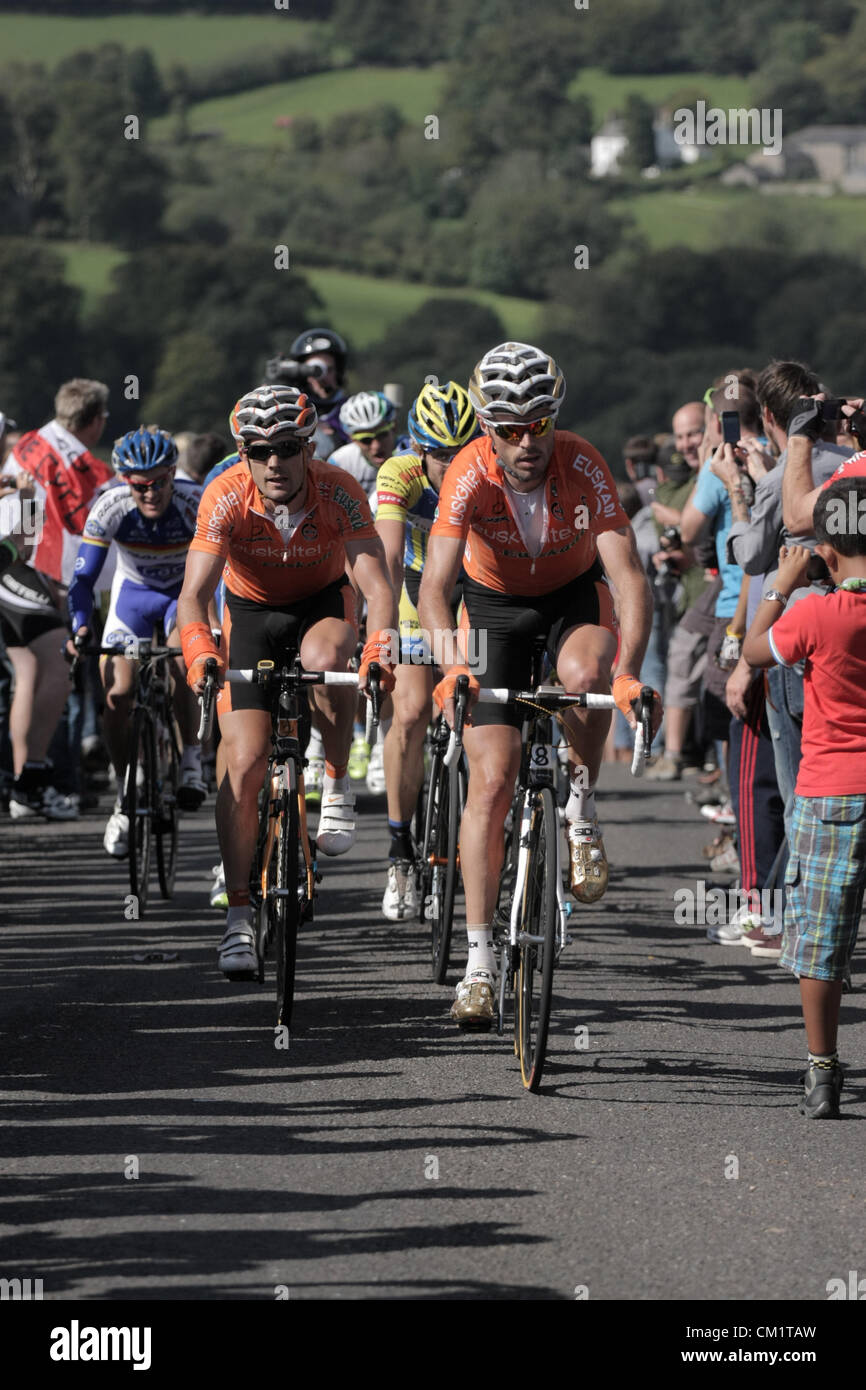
column 824, row 884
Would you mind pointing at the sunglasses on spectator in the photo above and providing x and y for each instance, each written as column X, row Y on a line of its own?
column 155, row 484
column 512, row 434
column 285, row 449
column 368, row 437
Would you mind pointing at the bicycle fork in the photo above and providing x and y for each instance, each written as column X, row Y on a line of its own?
column 516, row 936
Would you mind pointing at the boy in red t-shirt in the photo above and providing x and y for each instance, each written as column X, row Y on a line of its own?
column 826, row 874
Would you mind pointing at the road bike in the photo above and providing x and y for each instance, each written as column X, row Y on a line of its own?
column 152, row 795
column 284, row 873
column 531, row 919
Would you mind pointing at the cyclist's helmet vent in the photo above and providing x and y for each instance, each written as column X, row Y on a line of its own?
column 368, row 410
column 442, row 417
column 143, row 450
column 273, row 412
column 516, row 380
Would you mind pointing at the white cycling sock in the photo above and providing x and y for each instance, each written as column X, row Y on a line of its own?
column 315, row 747
column 481, row 954
column 340, row 784
column 581, row 802
column 238, row 917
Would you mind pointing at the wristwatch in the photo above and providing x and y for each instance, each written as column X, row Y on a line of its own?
column 774, row 594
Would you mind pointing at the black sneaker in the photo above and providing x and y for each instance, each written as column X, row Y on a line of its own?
column 823, row 1086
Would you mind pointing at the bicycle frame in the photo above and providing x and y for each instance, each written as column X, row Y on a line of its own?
column 285, row 772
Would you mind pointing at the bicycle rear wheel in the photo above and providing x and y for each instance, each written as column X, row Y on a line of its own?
column 165, row 812
column 139, row 801
column 538, row 938
column 285, row 906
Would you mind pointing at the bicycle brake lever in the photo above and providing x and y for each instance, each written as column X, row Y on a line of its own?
column 375, row 704
column 207, row 701
column 455, row 742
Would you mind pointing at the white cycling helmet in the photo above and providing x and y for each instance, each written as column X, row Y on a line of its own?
column 273, row 412
column 365, row 412
column 517, row 381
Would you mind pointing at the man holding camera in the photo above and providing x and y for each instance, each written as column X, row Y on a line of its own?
column 316, row 363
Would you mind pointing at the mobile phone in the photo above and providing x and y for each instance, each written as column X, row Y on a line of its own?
column 731, row 428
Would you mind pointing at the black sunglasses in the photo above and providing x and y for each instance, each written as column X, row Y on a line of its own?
column 284, row 449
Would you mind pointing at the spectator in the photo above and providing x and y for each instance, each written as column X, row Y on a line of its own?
column 640, row 458
column 198, row 455
column 66, row 476
column 754, row 545
column 826, row 871
column 686, row 644
column 31, row 629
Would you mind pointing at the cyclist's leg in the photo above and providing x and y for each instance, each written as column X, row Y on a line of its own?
column 584, row 655
column 186, row 712
column 404, row 760
column 329, row 635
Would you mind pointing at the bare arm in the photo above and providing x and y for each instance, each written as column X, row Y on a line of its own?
column 367, row 558
column 441, row 568
column 799, row 493
column 200, row 580
column 393, row 536
column 618, row 552
column 693, row 524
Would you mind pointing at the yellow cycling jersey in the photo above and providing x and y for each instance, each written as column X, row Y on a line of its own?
column 403, row 493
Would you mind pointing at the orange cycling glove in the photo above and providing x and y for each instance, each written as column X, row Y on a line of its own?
column 199, row 646
column 378, row 647
column 444, row 691
column 628, row 688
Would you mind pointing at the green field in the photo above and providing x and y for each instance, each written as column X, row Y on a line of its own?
column 608, row 91
column 709, row 218
column 191, row 39
column 365, row 306
column 362, row 306
column 88, row 266
column 247, row 118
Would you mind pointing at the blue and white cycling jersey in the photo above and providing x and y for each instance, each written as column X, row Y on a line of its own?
column 151, row 553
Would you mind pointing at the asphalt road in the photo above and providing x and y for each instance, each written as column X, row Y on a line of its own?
column 386, row 1155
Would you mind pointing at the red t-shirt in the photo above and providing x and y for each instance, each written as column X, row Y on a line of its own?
column 580, row 501
column 829, row 631
column 853, row 467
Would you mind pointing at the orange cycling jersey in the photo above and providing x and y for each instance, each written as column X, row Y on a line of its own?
column 266, row 564
column 580, row 501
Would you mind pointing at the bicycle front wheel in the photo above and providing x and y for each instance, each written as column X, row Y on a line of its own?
column 538, row 938
column 441, row 870
column 139, row 802
column 285, row 907
column 166, row 815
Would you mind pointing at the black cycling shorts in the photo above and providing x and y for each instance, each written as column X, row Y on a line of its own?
column 252, row 632
column 513, row 622
column 21, row 626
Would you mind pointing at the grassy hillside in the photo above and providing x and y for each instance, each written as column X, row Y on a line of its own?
column 361, row 306
column 189, row 39
column 247, row 118
column 711, row 217
column 364, row 306
column 608, row 91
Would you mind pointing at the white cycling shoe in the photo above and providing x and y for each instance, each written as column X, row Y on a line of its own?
column 401, row 898
column 336, row 832
column 237, row 950
column 116, row 838
column 376, row 770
